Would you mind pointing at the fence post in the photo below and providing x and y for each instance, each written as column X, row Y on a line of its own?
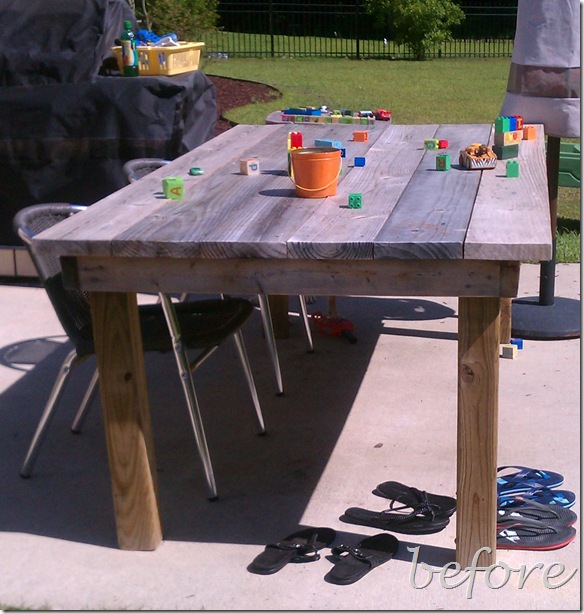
column 272, row 27
column 357, row 31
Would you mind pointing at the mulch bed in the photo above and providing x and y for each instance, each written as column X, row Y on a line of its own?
column 233, row 93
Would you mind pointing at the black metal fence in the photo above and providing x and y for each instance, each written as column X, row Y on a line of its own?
column 330, row 28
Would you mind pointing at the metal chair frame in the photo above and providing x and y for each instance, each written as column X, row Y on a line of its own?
column 80, row 335
column 140, row 167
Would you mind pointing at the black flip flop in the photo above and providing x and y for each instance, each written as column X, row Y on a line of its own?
column 410, row 496
column 353, row 563
column 551, row 515
column 523, row 534
column 421, row 521
column 300, row 547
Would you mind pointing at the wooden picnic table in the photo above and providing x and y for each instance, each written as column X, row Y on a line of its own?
column 420, row 232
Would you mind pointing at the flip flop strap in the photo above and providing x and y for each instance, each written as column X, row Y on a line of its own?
column 532, row 505
column 424, row 509
column 524, row 473
column 535, row 526
column 356, row 553
column 303, row 552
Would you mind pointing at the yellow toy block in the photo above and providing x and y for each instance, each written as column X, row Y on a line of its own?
column 508, row 350
column 431, row 144
column 508, row 138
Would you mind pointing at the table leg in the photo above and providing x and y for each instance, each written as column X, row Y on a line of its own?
column 279, row 310
column 478, row 383
column 128, row 431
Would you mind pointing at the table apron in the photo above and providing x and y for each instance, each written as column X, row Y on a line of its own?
column 288, row 276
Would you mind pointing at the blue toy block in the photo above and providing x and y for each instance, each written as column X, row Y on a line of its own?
column 512, row 123
column 343, row 152
column 518, row 342
column 359, row 161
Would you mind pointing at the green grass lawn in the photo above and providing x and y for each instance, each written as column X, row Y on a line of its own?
column 440, row 91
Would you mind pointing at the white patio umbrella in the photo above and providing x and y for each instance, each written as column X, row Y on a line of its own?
column 544, row 87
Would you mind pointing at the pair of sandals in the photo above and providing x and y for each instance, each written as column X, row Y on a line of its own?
column 412, row 511
column 351, row 563
column 532, row 514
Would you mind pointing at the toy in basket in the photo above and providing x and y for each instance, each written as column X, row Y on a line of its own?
column 175, row 60
column 477, row 157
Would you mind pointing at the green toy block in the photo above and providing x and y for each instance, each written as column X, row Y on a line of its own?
column 355, row 201
column 502, row 124
column 196, row 170
column 512, row 168
column 504, row 152
column 443, row 162
column 173, row 187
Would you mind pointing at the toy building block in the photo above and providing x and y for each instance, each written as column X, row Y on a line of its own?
column 431, row 144
column 502, row 124
column 360, row 136
column 443, row 162
column 343, row 152
column 295, row 140
column 504, row 152
column 529, row 133
column 196, row 170
column 173, row 187
column 512, row 168
column 328, row 143
column 249, row 166
column 359, row 161
column 508, row 350
column 519, row 122
column 442, row 144
column 508, row 138
column 512, row 123
column 517, row 342
column 355, row 201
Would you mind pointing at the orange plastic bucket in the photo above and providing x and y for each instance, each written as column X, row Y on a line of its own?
column 315, row 171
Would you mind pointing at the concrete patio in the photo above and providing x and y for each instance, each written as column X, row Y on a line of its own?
column 352, row 416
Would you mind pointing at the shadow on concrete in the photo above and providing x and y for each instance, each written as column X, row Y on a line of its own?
column 265, row 483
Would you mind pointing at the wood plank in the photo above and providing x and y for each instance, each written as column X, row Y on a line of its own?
column 126, row 415
column 511, row 218
column 232, row 215
column 334, row 230
column 478, row 382
column 432, row 215
column 94, row 229
column 316, row 277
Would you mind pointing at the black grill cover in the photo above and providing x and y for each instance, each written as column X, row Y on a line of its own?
column 66, row 130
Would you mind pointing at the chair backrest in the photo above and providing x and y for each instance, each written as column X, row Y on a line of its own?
column 71, row 306
column 138, row 168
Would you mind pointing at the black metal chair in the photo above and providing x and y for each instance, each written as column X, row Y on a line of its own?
column 191, row 325
column 138, row 168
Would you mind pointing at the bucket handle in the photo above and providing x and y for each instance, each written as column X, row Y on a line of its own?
column 324, row 187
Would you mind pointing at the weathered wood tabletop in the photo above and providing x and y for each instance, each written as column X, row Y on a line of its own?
column 420, row 232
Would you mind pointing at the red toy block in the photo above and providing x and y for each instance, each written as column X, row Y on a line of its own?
column 519, row 119
column 295, row 140
column 529, row 133
column 442, row 144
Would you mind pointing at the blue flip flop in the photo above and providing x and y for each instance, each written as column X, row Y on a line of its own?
column 526, row 479
column 545, row 496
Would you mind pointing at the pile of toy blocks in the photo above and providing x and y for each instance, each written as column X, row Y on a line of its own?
column 316, row 116
column 508, row 135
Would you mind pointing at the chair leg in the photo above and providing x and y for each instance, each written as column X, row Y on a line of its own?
column 83, row 410
column 307, row 330
column 48, row 413
column 186, row 378
column 238, row 338
column 270, row 339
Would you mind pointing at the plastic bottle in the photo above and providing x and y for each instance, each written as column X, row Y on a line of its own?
column 129, row 53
